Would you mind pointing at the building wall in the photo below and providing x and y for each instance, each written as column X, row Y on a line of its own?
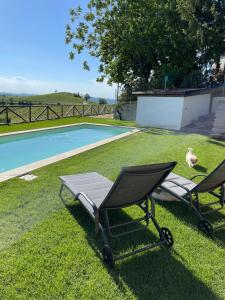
column 194, row 107
column 216, row 101
column 128, row 111
column 161, row 112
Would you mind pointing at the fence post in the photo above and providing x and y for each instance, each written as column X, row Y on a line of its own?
column 61, row 110
column 83, row 111
column 7, row 115
column 73, row 110
column 30, row 116
column 47, row 111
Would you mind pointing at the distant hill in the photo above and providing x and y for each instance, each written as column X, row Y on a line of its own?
column 54, row 98
column 63, row 98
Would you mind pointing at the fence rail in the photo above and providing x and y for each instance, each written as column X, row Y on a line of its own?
column 31, row 113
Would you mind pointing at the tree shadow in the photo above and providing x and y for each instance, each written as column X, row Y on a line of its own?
column 160, row 275
column 156, row 274
column 217, row 143
column 187, row 215
column 159, row 131
column 200, row 168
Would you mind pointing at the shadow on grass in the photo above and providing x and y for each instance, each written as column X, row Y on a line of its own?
column 217, row 143
column 200, row 169
column 188, row 216
column 158, row 131
column 155, row 274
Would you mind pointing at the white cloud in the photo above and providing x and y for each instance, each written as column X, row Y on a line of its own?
column 20, row 84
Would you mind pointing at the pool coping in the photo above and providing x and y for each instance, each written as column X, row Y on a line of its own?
column 50, row 160
column 62, row 126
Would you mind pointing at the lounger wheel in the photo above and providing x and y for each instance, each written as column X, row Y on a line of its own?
column 108, row 256
column 166, row 235
column 206, row 227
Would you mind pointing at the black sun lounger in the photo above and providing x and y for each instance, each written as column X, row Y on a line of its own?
column 133, row 186
column 188, row 192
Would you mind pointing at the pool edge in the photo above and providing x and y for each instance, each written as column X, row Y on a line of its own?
column 62, row 126
column 53, row 159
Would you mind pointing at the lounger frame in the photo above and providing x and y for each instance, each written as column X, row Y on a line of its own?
column 100, row 215
column 192, row 200
column 103, row 226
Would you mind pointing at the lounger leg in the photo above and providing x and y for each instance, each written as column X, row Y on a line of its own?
column 61, row 189
column 96, row 222
column 104, row 235
column 222, row 195
column 153, row 206
column 107, row 252
column 147, row 212
column 155, row 222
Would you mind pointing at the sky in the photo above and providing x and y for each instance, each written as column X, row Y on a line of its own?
column 33, row 55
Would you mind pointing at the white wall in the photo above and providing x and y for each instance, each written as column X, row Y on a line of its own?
column 216, row 102
column 194, row 107
column 161, row 112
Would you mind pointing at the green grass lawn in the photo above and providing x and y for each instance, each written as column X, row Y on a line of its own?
column 49, row 251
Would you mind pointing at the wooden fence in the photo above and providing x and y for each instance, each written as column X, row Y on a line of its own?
column 31, row 113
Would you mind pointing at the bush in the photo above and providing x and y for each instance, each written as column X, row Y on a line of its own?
column 102, row 101
column 87, row 97
column 77, row 95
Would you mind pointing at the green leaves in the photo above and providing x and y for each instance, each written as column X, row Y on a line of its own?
column 140, row 41
column 86, row 66
column 71, row 55
column 206, row 26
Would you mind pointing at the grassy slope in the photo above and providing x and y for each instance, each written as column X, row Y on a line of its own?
column 63, row 98
column 49, row 251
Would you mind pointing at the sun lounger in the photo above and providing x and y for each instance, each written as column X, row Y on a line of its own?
column 133, row 186
column 189, row 192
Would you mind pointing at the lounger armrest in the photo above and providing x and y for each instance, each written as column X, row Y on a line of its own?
column 88, row 200
column 178, row 184
column 198, row 175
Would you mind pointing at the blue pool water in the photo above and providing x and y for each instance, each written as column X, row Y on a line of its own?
column 21, row 149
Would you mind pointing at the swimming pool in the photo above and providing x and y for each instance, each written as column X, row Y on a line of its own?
column 22, row 149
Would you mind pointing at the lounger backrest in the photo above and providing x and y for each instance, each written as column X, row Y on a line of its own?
column 213, row 180
column 136, row 183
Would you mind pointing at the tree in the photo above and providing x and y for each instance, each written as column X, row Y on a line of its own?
column 205, row 20
column 102, row 101
column 139, row 42
column 87, row 97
